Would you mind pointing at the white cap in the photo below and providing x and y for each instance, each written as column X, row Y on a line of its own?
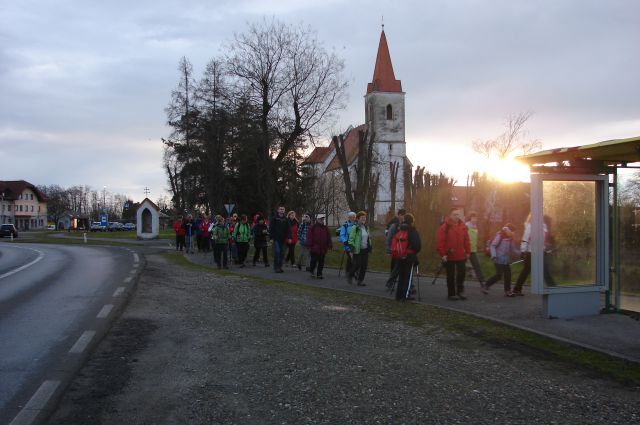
column 320, row 216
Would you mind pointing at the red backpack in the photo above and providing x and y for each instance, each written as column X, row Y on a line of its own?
column 399, row 244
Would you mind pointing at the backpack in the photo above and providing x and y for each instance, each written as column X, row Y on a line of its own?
column 399, row 244
column 487, row 245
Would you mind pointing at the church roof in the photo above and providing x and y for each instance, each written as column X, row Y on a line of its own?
column 318, row 155
column 350, row 148
column 383, row 77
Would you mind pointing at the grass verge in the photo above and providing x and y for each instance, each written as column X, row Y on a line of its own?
column 420, row 315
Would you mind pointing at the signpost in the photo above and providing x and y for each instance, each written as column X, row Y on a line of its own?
column 104, row 220
column 229, row 208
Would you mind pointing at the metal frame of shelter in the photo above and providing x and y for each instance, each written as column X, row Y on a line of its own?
column 598, row 163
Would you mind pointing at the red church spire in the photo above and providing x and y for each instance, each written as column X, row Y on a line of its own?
column 383, row 76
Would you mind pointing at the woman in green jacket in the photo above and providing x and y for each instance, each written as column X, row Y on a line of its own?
column 220, row 236
column 242, row 235
column 359, row 248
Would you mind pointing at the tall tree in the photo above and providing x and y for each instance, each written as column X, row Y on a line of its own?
column 515, row 139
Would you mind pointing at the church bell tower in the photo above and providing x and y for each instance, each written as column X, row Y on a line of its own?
column 384, row 115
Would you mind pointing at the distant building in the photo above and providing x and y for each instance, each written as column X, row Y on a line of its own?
column 385, row 117
column 22, row 204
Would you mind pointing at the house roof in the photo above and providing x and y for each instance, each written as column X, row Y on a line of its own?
column 350, row 148
column 13, row 188
column 383, row 77
column 318, row 155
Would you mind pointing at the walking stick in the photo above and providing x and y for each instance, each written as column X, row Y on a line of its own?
column 433, row 282
column 341, row 261
column 418, row 283
column 406, row 295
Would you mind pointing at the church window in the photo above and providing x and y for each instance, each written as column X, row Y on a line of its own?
column 389, row 112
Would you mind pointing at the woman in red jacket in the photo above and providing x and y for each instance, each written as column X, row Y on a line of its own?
column 319, row 242
column 454, row 249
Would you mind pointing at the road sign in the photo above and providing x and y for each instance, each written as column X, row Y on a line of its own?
column 104, row 220
column 229, row 207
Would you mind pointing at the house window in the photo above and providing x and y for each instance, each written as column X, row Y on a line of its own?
column 31, row 208
column 8, row 207
column 32, row 196
column 20, row 208
column 389, row 112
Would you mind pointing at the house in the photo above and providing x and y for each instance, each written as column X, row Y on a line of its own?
column 22, row 204
column 384, row 116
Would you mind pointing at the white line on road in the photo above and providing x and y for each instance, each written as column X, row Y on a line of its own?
column 82, row 342
column 105, row 311
column 135, row 258
column 39, row 400
column 120, row 290
column 127, row 279
column 132, row 272
column 19, row 269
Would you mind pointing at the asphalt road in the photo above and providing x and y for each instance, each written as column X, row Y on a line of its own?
column 55, row 301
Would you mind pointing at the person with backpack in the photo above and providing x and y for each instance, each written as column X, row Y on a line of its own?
column 453, row 246
column 220, row 236
column 359, row 249
column 303, row 231
column 319, row 241
column 344, row 240
column 404, row 247
column 472, row 229
column 392, row 228
column 280, row 232
column 502, row 249
column 291, row 243
column 242, row 235
column 260, row 234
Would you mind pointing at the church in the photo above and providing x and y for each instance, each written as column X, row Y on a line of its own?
column 385, row 117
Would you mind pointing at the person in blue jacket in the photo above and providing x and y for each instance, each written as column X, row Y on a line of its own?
column 344, row 240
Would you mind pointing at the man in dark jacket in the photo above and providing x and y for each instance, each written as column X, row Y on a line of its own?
column 319, row 242
column 280, row 232
column 454, row 249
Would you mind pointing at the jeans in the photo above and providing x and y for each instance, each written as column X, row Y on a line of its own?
column 278, row 254
column 220, row 253
column 475, row 263
column 317, row 259
column 456, row 272
column 501, row 269
column 303, row 258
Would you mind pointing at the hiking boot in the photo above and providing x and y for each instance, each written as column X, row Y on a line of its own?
column 299, row 267
column 461, row 297
column 509, row 294
column 484, row 288
column 319, row 277
column 453, row 298
column 361, row 283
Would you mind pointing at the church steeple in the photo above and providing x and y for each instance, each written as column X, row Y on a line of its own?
column 384, row 80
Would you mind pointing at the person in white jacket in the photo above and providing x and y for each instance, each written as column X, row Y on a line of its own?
column 525, row 252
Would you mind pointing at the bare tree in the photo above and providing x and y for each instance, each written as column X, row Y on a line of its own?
column 513, row 139
column 363, row 195
column 297, row 84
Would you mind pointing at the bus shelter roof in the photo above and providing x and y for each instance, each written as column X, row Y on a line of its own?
column 610, row 153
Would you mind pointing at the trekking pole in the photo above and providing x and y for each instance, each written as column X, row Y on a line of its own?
column 516, row 262
column 418, row 281
column 433, row 282
column 406, row 295
column 341, row 262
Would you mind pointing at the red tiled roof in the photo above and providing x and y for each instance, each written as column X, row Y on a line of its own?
column 318, row 155
column 13, row 188
column 383, row 77
column 350, row 148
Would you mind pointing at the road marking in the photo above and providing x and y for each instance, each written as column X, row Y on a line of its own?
column 120, row 290
column 82, row 342
column 105, row 311
column 127, row 279
column 19, row 269
column 135, row 258
column 132, row 272
column 37, row 402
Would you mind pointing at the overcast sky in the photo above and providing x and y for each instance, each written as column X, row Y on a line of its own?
column 83, row 85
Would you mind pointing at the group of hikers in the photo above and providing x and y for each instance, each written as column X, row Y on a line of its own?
column 457, row 242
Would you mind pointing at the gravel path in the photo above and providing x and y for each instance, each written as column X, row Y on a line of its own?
column 198, row 348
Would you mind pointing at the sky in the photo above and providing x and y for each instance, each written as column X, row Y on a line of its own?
column 83, row 85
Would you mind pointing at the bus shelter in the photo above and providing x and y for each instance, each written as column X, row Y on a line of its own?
column 577, row 261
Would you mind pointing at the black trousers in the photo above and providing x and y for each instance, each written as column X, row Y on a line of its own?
column 394, row 272
column 256, row 254
column 456, row 271
column 317, row 259
column 360, row 263
column 404, row 268
column 180, row 242
column 501, row 270
column 243, row 250
column 526, row 270
column 220, row 254
column 291, row 254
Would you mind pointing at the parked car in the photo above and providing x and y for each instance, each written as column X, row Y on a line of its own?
column 8, row 230
column 129, row 226
column 51, row 227
column 96, row 226
column 115, row 226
